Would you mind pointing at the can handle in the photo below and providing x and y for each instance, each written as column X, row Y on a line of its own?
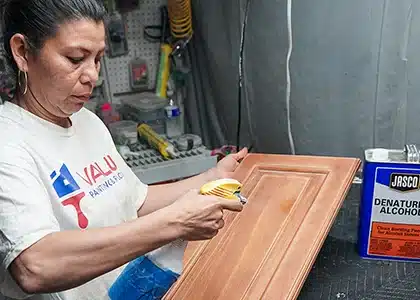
column 412, row 153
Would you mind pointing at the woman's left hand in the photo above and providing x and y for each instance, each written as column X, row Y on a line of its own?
column 227, row 166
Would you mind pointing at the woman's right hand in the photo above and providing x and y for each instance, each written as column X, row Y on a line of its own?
column 200, row 217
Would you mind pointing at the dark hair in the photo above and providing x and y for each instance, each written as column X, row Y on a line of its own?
column 38, row 20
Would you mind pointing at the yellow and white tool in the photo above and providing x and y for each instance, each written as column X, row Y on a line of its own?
column 165, row 148
column 225, row 188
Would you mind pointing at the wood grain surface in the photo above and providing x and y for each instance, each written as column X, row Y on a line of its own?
column 267, row 250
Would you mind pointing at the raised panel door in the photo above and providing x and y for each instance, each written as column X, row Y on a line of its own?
column 267, row 250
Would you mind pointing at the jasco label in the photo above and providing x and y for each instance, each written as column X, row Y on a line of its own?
column 404, row 182
column 395, row 219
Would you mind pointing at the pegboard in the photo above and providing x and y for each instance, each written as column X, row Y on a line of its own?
column 117, row 67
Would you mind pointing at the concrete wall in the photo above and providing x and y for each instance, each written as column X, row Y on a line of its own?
column 355, row 72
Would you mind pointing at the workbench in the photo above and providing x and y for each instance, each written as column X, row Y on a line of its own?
column 339, row 272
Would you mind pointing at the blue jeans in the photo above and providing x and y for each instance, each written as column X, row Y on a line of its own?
column 142, row 280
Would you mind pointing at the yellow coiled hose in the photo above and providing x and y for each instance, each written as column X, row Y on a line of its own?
column 180, row 16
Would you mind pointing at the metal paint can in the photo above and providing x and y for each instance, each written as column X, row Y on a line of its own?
column 389, row 224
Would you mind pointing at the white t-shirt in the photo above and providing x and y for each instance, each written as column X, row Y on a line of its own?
column 54, row 179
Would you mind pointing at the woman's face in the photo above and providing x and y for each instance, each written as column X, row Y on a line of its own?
column 63, row 73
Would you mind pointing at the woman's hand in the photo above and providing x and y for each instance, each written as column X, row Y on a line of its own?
column 160, row 196
column 227, row 166
column 200, row 217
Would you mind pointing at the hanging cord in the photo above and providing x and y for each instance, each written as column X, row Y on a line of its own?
column 240, row 78
column 288, row 86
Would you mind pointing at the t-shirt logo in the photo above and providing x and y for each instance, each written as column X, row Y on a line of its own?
column 66, row 187
column 98, row 177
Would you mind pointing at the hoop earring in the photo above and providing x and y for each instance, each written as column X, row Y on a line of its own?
column 26, row 81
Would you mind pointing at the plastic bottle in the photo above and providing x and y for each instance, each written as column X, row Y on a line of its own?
column 173, row 120
column 108, row 114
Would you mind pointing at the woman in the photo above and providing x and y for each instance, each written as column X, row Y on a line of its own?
column 72, row 213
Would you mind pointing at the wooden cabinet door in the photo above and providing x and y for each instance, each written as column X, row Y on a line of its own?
column 267, row 250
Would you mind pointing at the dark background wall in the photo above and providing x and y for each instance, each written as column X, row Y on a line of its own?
column 355, row 73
